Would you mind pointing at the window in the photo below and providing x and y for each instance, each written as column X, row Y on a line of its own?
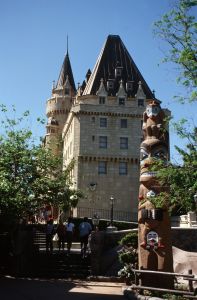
column 110, row 84
column 103, row 122
column 101, row 100
column 93, row 119
column 123, row 168
column 67, row 91
column 93, row 138
column 129, row 86
column 140, row 102
column 121, row 101
column 118, row 71
column 102, row 167
column 123, row 143
column 123, row 123
column 103, row 142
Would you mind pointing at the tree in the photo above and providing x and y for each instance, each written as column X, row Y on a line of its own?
column 30, row 175
column 178, row 28
column 181, row 179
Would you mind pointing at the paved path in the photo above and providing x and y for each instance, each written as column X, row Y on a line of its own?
column 37, row 289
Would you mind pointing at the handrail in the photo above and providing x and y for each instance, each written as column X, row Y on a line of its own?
column 163, row 273
column 141, row 287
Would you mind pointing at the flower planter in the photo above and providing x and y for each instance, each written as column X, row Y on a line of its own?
column 157, row 214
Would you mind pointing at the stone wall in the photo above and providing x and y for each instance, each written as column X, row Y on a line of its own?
column 185, row 238
column 105, row 247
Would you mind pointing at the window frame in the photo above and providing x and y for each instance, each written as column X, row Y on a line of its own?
column 122, row 125
column 103, row 142
column 102, row 100
column 121, row 101
column 123, row 168
column 142, row 102
column 103, row 122
column 102, row 167
column 124, row 142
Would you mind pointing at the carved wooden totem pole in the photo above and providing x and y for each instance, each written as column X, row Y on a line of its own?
column 155, row 248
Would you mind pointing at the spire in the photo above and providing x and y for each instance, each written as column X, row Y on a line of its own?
column 67, row 46
column 115, row 63
column 66, row 72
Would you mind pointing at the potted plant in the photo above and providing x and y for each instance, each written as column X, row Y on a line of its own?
column 160, row 202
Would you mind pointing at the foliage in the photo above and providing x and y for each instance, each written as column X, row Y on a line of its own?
column 30, row 175
column 161, row 200
column 181, row 179
column 128, row 255
column 178, row 28
column 131, row 239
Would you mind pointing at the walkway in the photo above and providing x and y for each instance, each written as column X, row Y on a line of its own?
column 37, row 289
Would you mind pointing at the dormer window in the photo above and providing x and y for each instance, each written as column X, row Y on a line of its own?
column 67, row 91
column 129, row 86
column 121, row 101
column 110, row 84
column 101, row 100
column 118, row 71
column 140, row 102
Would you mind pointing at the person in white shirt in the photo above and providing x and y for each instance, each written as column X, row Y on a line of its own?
column 69, row 234
column 84, row 231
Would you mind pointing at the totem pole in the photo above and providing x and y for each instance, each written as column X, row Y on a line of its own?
column 154, row 238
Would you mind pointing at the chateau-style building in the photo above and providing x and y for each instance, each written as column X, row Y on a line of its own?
column 99, row 125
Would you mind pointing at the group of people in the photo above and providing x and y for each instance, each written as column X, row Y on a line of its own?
column 65, row 232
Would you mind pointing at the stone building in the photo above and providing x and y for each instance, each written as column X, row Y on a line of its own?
column 99, row 125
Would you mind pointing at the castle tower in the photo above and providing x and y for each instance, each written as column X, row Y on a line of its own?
column 58, row 106
column 103, row 133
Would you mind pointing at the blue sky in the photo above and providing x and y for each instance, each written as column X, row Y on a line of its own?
column 34, row 40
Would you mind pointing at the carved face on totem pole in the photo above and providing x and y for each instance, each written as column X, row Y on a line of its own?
column 150, row 151
column 153, row 121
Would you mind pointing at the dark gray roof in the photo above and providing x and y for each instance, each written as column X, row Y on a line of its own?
column 112, row 56
column 66, row 70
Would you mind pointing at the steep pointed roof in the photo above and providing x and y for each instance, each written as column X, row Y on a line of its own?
column 66, row 70
column 112, row 56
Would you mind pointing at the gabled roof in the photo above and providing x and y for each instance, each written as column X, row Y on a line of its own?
column 114, row 55
column 66, row 70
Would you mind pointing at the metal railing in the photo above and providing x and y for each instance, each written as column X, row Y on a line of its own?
column 118, row 215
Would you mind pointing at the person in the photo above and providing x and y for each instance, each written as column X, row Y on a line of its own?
column 69, row 234
column 84, row 231
column 61, row 231
column 50, row 230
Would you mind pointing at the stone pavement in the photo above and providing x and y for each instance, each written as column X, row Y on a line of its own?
column 37, row 289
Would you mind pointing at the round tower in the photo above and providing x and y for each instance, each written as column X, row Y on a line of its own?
column 58, row 106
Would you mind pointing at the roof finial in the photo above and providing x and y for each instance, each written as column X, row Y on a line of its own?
column 67, row 45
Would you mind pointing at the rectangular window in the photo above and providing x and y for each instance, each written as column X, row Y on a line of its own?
column 123, row 123
column 101, row 100
column 67, row 91
column 140, row 102
column 123, row 143
column 103, row 142
column 121, row 101
column 103, row 122
column 93, row 119
column 102, row 167
column 123, row 168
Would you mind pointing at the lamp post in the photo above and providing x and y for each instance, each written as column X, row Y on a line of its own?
column 112, row 210
column 111, row 227
column 95, row 221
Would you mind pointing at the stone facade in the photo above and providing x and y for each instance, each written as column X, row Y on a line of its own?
column 87, row 124
column 100, row 126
